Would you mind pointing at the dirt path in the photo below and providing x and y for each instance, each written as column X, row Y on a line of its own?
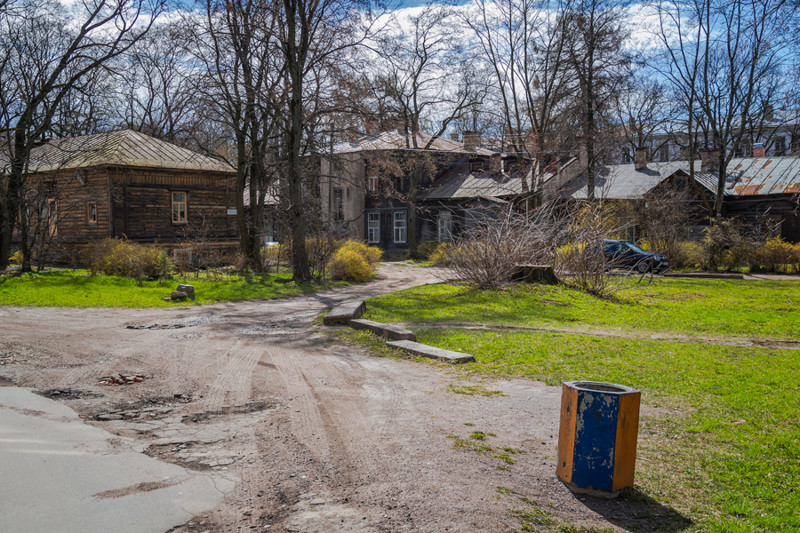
column 320, row 436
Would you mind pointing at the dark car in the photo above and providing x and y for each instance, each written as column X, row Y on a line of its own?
column 624, row 254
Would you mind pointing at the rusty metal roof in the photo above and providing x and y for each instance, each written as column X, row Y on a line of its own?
column 400, row 140
column 623, row 182
column 757, row 176
column 126, row 148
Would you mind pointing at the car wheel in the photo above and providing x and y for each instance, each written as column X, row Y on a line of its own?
column 642, row 267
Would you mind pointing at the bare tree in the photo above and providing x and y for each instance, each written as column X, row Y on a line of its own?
column 154, row 86
column 243, row 83
column 429, row 81
column 600, row 65
column 50, row 53
column 525, row 46
column 644, row 110
column 724, row 59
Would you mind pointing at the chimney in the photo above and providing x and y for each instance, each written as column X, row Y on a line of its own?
column 640, row 159
column 759, row 150
column 709, row 160
column 496, row 162
column 472, row 140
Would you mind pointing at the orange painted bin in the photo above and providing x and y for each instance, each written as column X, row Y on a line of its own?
column 597, row 437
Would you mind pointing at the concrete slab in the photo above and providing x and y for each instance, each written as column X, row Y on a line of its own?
column 60, row 474
column 390, row 331
column 343, row 314
column 432, row 352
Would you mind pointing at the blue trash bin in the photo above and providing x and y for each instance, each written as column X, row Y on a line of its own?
column 597, row 437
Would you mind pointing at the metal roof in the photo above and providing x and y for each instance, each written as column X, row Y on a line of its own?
column 400, row 140
column 757, row 176
column 623, row 182
column 125, row 148
column 460, row 183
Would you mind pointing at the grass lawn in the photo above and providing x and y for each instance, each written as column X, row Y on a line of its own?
column 78, row 288
column 724, row 448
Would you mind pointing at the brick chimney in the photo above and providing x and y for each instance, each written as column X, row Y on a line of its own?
column 496, row 162
column 709, row 160
column 472, row 139
column 759, row 150
column 640, row 158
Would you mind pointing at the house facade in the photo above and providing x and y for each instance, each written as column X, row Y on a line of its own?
column 127, row 184
column 366, row 186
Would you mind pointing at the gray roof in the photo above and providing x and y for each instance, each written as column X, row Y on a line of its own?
column 125, row 148
column 459, row 183
column 400, row 140
column 623, row 182
column 753, row 176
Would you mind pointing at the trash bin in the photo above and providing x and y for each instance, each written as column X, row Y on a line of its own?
column 597, row 437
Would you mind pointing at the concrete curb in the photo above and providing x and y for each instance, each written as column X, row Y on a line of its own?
column 432, row 352
column 390, row 331
column 703, row 275
column 343, row 314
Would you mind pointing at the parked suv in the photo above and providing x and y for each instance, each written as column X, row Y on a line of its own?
column 624, row 254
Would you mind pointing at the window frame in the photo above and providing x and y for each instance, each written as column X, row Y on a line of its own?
column 376, row 228
column 400, row 224
column 337, row 204
column 176, row 204
column 91, row 213
column 372, row 184
column 444, row 221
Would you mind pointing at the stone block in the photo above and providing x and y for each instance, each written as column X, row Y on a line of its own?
column 343, row 314
column 390, row 331
column 432, row 352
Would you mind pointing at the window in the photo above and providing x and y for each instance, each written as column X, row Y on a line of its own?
column 374, row 227
column 780, row 145
column 338, row 204
column 663, row 153
column 49, row 215
column 475, row 165
column 91, row 213
column 179, row 207
column 372, row 183
column 399, row 227
column 445, row 226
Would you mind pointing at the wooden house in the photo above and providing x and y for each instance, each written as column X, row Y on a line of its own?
column 128, row 184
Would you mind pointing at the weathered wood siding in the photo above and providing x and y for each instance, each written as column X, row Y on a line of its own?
column 142, row 205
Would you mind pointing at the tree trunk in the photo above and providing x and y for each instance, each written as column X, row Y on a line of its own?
column 301, row 270
column 413, row 190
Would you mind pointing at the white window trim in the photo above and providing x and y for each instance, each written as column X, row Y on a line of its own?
column 377, row 238
column 399, row 223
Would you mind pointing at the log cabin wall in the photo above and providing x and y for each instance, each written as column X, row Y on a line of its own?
column 141, row 203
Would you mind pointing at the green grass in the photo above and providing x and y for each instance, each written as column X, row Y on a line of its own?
column 685, row 306
column 77, row 288
column 723, row 447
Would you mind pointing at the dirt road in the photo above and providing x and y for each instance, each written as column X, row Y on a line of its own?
column 317, row 435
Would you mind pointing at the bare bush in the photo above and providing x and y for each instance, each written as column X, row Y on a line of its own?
column 489, row 254
column 581, row 262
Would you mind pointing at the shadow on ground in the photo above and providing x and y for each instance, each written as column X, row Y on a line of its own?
column 635, row 511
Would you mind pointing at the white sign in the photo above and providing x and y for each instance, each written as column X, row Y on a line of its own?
column 231, row 211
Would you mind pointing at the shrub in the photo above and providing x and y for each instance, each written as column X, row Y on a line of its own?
column 320, row 249
column 776, row 255
column 348, row 264
column 370, row 253
column 442, row 255
column 115, row 257
column 354, row 261
column 688, row 254
column 425, row 249
column 727, row 248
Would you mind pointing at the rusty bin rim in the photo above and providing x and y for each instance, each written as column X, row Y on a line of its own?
column 600, row 386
